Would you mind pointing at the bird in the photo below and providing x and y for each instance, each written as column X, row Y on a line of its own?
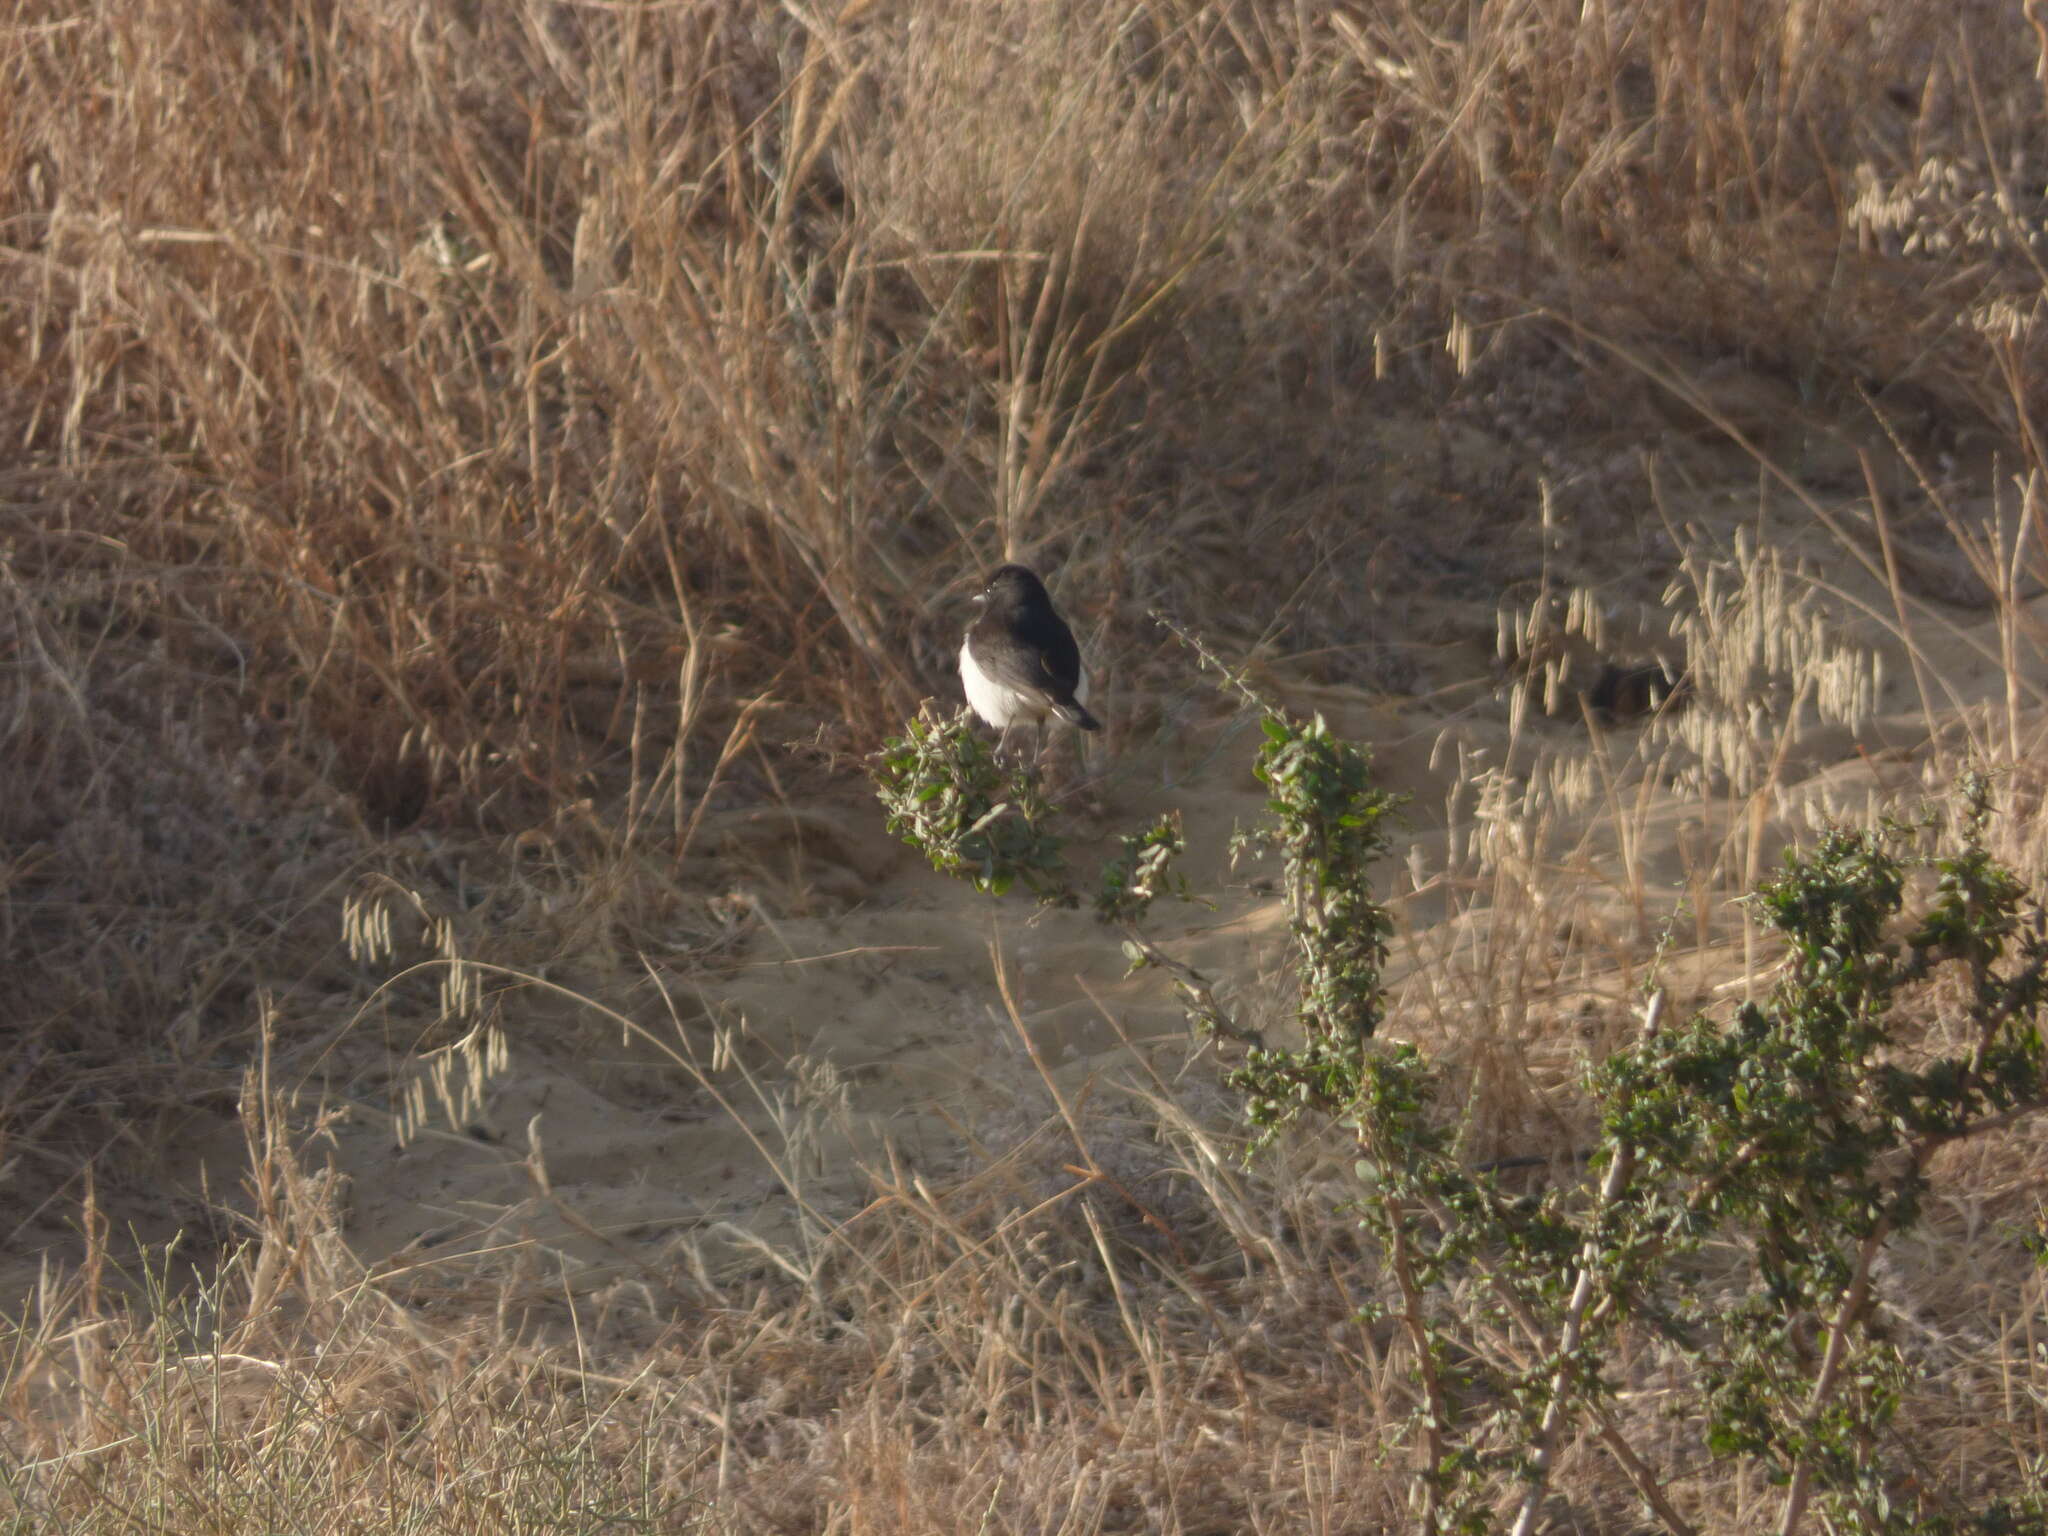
column 1019, row 661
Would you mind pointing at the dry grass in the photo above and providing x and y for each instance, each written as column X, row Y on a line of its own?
column 980, row 1359
column 456, row 446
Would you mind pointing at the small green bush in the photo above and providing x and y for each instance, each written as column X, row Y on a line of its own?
column 971, row 815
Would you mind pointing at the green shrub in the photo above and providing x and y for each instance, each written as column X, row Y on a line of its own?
column 1797, row 1134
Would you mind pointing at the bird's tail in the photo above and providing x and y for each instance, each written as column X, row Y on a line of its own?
column 1075, row 715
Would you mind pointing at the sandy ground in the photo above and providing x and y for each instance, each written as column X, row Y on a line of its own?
column 875, row 1016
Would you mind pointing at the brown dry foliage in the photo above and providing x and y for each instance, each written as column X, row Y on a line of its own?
column 489, row 427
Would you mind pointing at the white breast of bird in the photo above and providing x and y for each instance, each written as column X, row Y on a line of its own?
column 1004, row 707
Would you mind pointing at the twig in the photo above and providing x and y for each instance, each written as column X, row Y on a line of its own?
column 1435, row 1409
column 1198, row 993
column 1611, row 1188
column 1233, row 677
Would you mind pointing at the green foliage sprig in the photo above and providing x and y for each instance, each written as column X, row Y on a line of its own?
column 1328, row 826
column 1144, row 871
column 949, row 796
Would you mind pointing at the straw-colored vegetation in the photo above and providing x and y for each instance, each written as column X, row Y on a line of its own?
column 477, row 475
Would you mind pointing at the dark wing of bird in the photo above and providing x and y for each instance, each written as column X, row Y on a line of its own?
column 1042, row 659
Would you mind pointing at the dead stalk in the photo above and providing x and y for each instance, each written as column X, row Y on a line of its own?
column 1544, row 1450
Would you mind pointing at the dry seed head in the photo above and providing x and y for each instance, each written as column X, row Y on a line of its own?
column 454, row 1077
column 366, row 926
column 1458, row 342
column 1762, row 645
column 2007, row 318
